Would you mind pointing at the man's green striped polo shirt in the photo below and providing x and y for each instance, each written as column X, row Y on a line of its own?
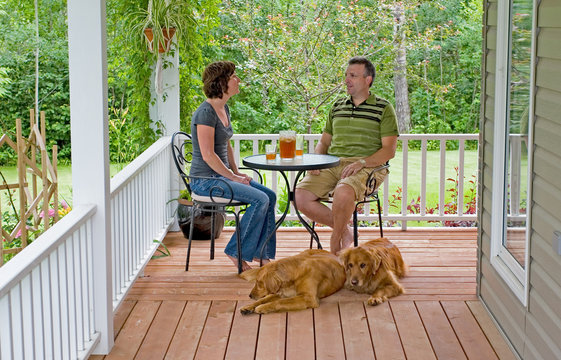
column 358, row 130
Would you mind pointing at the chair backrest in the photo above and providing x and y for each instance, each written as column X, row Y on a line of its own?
column 182, row 154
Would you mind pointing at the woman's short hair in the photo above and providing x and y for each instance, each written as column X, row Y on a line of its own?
column 215, row 78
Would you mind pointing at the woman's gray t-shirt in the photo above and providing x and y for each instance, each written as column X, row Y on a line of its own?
column 205, row 115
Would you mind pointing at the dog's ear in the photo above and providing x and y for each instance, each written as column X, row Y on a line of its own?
column 375, row 259
column 251, row 274
column 385, row 258
column 344, row 256
column 274, row 282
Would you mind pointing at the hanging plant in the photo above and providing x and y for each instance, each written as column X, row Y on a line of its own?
column 159, row 22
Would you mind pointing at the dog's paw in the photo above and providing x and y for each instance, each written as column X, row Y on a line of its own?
column 246, row 310
column 372, row 301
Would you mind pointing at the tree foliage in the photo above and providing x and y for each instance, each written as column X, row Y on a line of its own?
column 291, row 57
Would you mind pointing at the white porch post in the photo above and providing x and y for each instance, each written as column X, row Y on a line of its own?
column 165, row 111
column 90, row 139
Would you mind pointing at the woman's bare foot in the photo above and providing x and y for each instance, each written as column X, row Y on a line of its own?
column 245, row 265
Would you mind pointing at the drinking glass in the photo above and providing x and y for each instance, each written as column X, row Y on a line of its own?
column 299, row 146
column 271, row 152
column 287, row 144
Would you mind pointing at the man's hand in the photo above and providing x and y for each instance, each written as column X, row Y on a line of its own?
column 351, row 169
column 313, row 172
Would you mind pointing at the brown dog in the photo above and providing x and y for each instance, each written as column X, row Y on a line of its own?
column 373, row 268
column 294, row 283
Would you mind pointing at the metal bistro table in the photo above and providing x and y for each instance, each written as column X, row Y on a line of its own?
column 306, row 162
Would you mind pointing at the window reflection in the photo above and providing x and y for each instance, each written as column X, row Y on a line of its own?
column 518, row 124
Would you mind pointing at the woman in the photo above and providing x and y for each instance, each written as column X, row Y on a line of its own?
column 213, row 156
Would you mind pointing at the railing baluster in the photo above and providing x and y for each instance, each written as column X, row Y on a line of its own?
column 442, row 180
column 404, row 201
column 423, row 177
column 461, row 165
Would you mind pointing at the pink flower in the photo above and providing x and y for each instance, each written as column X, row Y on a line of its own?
column 51, row 213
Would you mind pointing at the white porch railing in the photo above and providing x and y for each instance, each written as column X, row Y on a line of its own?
column 141, row 213
column 403, row 215
column 46, row 291
column 46, row 294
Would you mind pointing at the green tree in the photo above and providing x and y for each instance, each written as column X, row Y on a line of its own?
column 17, row 57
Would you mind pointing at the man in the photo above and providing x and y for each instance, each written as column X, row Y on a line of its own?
column 362, row 131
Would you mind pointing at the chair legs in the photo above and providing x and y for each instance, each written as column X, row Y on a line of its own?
column 239, row 241
column 380, row 217
column 190, row 238
column 212, row 239
column 355, row 226
column 212, row 222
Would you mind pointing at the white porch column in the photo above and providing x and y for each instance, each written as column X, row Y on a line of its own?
column 90, row 146
column 165, row 112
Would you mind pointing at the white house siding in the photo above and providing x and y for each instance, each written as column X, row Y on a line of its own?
column 535, row 331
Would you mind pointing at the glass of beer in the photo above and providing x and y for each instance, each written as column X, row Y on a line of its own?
column 299, row 146
column 287, row 144
column 271, row 152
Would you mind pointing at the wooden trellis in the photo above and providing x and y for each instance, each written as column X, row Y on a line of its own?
column 35, row 165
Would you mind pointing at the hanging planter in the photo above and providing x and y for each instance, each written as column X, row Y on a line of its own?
column 158, row 23
column 164, row 45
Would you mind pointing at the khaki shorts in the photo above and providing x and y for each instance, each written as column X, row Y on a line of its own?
column 322, row 185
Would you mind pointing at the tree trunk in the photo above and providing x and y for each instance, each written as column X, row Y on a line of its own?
column 401, row 87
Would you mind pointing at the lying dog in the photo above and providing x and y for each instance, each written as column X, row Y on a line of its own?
column 373, row 268
column 294, row 283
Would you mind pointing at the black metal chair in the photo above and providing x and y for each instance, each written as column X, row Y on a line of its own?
column 370, row 196
column 214, row 203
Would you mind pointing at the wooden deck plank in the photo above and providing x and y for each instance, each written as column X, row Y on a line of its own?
column 442, row 269
column 356, row 335
column 161, row 331
column 383, row 332
column 469, row 333
column 132, row 334
column 121, row 315
column 491, row 332
column 243, row 336
column 214, row 338
column 300, row 340
column 272, row 337
column 439, row 330
column 188, row 332
column 329, row 335
column 413, row 337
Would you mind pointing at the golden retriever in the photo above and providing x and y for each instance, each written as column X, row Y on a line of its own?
column 294, row 283
column 373, row 268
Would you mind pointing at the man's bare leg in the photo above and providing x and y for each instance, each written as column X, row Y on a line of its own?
column 309, row 204
column 342, row 209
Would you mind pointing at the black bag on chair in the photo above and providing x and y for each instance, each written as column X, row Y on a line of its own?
column 203, row 223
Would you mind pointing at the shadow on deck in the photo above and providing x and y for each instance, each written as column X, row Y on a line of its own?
column 173, row 314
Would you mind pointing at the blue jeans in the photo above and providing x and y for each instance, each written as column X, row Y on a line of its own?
column 257, row 222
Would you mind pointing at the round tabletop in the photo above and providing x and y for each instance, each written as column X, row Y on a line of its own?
column 306, row 162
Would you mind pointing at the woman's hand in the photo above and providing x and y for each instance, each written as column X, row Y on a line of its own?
column 241, row 178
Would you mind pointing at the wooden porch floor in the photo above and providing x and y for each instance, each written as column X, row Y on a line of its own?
column 173, row 314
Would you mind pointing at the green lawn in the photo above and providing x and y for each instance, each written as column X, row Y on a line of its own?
column 64, row 181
